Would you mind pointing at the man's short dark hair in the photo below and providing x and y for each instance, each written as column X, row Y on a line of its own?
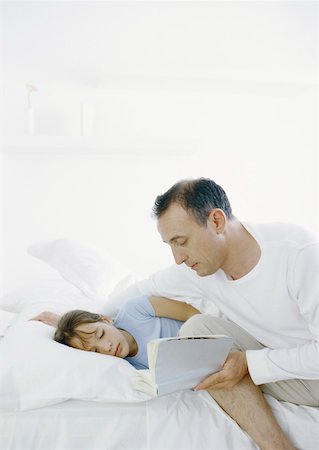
column 197, row 196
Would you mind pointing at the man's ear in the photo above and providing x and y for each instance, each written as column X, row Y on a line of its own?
column 217, row 218
column 107, row 319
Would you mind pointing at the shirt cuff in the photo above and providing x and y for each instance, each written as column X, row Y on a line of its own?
column 258, row 366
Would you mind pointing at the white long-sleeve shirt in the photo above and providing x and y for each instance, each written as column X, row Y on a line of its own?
column 277, row 302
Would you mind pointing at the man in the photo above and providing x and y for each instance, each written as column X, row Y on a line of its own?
column 264, row 280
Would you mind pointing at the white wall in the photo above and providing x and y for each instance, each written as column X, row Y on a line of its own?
column 106, row 201
column 233, row 83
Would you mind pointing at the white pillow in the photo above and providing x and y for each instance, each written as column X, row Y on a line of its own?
column 5, row 321
column 45, row 293
column 96, row 275
column 36, row 371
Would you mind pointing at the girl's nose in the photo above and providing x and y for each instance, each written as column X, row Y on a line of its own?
column 110, row 347
column 106, row 348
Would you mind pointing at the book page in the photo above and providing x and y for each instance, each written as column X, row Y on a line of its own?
column 181, row 362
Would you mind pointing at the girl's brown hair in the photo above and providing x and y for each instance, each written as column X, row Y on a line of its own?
column 67, row 326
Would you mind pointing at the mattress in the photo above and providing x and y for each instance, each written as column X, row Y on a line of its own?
column 184, row 420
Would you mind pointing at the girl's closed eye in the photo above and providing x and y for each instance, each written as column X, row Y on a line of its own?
column 102, row 334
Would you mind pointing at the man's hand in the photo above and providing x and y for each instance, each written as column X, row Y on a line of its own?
column 234, row 370
column 47, row 317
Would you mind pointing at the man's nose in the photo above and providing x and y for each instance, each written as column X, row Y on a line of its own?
column 179, row 256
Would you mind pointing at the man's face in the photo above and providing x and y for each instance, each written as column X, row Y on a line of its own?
column 101, row 337
column 202, row 248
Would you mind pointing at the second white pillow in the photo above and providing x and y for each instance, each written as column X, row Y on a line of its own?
column 96, row 275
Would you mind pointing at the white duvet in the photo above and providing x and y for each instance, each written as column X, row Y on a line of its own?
column 184, row 421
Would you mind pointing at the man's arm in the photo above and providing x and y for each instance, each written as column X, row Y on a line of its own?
column 172, row 282
column 172, row 309
column 301, row 361
column 298, row 362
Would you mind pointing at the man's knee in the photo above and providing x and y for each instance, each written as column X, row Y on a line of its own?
column 203, row 324
column 200, row 324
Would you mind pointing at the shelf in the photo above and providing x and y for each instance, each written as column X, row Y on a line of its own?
column 87, row 145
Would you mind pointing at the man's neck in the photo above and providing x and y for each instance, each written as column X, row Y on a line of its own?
column 243, row 254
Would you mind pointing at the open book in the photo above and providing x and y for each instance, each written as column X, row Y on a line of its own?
column 180, row 363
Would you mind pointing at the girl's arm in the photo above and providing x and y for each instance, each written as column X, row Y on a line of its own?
column 172, row 309
column 47, row 317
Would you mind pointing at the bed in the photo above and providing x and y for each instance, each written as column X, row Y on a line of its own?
column 57, row 398
column 178, row 421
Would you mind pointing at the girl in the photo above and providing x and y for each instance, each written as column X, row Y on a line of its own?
column 139, row 321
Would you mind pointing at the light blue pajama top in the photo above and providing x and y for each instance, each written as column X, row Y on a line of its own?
column 138, row 318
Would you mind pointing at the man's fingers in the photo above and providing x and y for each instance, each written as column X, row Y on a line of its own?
column 235, row 368
column 226, row 384
column 212, row 380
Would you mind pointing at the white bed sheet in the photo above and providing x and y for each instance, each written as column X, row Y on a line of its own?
column 184, row 420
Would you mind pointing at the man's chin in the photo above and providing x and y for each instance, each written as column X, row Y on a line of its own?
column 203, row 273
column 200, row 271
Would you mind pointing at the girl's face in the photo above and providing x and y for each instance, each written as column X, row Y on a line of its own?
column 102, row 337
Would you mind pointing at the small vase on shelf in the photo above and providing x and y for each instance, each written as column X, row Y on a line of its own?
column 29, row 111
column 30, row 121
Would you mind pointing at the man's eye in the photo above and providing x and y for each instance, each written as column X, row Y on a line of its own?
column 182, row 243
